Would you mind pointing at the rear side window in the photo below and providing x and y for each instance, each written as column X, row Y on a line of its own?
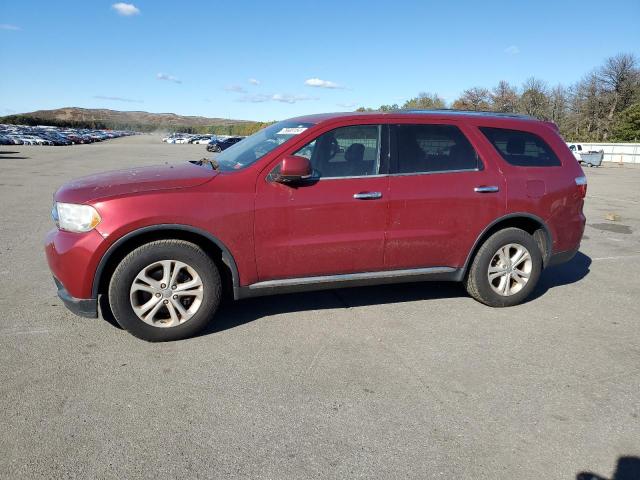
column 433, row 148
column 522, row 149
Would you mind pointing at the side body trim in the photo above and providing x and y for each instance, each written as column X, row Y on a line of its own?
column 324, row 282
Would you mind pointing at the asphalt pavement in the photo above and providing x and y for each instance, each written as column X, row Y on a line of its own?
column 407, row 381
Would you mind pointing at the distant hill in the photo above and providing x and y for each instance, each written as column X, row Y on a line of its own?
column 139, row 121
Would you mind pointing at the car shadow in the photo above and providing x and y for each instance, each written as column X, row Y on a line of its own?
column 564, row 274
column 627, row 468
column 8, row 154
column 234, row 314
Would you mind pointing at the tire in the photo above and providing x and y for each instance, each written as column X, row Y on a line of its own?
column 515, row 281
column 137, row 282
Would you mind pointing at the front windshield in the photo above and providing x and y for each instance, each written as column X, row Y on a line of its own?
column 250, row 149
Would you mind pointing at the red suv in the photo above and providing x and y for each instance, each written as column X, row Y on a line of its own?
column 322, row 201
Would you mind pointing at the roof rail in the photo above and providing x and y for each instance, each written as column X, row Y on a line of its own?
column 479, row 113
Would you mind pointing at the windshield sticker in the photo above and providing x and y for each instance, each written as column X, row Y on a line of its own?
column 292, row 131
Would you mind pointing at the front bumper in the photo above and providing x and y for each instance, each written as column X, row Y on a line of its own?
column 83, row 307
column 73, row 259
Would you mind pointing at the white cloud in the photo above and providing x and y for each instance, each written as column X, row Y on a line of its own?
column 316, row 82
column 126, row 9
column 235, row 89
column 7, row 26
column 254, row 81
column 117, row 99
column 167, row 77
column 276, row 97
column 346, row 105
column 286, row 98
column 259, row 98
column 512, row 50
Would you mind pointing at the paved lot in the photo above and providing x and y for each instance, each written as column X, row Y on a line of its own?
column 406, row 381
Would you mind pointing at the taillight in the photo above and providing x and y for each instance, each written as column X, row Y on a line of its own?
column 581, row 182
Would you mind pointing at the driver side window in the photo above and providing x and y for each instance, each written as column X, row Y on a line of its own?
column 352, row 151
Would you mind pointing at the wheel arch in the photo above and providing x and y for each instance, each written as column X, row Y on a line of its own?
column 528, row 222
column 215, row 248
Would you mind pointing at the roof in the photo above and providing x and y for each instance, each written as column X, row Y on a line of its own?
column 441, row 113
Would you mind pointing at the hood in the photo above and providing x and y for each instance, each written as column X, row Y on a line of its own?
column 134, row 180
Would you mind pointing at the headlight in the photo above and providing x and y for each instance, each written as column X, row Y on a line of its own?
column 75, row 218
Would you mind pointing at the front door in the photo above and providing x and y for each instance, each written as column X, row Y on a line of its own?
column 334, row 223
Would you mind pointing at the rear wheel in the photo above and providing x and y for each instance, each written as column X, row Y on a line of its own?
column 505, row 269
column 165, row 290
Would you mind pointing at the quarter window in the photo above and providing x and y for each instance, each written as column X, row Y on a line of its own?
column 522, row 149
column 352, row 151
column 434, row 148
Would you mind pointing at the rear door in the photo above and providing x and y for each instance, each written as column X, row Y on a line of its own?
column 333, row 224
column 442, row 194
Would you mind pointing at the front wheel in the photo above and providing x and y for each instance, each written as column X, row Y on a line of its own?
column 165, row 290
column 505, row 269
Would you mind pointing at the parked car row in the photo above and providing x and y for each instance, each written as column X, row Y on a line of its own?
column 188, row 138
column 218, row 145
column 214, row 143
column 47, row 135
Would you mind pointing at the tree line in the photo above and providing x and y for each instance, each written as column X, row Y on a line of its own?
column 603, row 106
column 240, row 128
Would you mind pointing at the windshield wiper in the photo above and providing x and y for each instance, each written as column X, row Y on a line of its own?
column 211, row 161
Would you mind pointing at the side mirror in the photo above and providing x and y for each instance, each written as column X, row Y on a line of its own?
column 294, row 169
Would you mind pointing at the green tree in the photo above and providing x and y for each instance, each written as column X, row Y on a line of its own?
column 424, row 101
column 627, row 126
column 389, row 108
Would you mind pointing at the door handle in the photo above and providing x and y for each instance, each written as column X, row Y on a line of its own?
column 367, row 195
column 487, row 189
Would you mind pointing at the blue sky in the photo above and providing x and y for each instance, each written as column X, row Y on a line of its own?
column 268, row 60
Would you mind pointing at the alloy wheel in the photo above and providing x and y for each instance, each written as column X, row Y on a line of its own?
column 510, row 269
column 166, row 293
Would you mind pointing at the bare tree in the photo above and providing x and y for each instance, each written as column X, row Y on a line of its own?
column 559, row 105
column 619, row 77
column 588, row 109
column 534, row 100
column 504, row 98
column 476, row 98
